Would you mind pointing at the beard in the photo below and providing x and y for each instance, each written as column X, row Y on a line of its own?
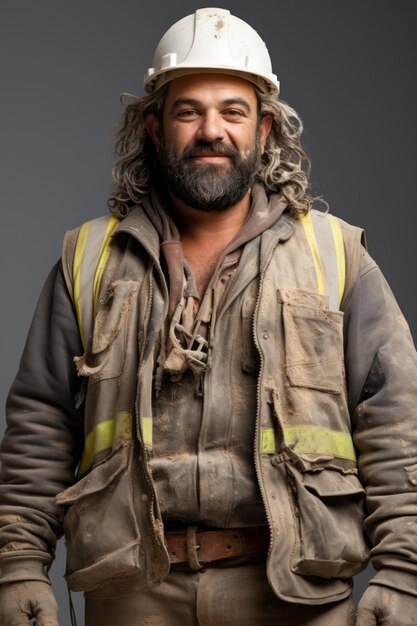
column 208, row 186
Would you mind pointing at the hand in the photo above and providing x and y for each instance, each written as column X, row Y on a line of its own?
column 22, row 600
column 382, row 606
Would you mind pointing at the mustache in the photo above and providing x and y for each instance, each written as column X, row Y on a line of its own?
column 202, row 148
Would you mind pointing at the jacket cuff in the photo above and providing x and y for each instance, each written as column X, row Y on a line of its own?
column 17, row 568
column 396, row 579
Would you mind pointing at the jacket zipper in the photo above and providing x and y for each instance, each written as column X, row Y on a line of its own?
column 139, row 433
column 141, row 354
column 258, row 401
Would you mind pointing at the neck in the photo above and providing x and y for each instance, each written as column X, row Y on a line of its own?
column 209, row 227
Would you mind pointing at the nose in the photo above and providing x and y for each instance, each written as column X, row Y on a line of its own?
column 211, row 127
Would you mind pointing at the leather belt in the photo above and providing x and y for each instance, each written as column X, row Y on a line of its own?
column 200, row 547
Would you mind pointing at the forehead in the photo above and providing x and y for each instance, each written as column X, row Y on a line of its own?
column 210, row 89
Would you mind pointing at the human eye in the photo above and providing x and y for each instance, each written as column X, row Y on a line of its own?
column 187, row 114
column 233, row 114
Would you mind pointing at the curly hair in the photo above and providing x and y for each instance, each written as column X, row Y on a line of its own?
column 284, row 169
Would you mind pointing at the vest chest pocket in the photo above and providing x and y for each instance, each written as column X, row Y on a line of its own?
column 313, row 341
column 106, row 351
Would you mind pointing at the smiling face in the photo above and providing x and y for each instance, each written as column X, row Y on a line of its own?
column 211, row 141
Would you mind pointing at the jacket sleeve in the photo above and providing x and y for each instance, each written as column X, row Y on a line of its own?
column 381, row 367
column 42, row 444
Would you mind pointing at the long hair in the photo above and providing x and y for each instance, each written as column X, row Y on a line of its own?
column 284, row 168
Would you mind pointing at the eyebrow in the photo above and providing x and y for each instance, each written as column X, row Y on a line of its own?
column 195, row 103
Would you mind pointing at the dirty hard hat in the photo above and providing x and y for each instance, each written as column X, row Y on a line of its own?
column 211, row 40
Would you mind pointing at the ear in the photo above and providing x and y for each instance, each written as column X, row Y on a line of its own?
column 153, row 127
column 264, row 130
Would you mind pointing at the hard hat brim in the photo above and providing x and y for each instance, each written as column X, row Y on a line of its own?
column 156, row 80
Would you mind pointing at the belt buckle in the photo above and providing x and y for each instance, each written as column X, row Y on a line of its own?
column 192, row 548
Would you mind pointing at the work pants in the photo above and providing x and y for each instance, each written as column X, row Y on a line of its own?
column 217, row 596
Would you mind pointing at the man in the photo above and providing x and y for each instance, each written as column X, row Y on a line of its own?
column 245, row 378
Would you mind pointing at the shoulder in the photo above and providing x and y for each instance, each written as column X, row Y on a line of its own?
column 340, row 247
column 93, row 228
column 323, row 219
column 86, row 244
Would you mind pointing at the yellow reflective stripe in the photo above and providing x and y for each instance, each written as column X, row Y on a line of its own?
column 76, row 273
column 147, row 430
column 340, row 253
column 311, row 439
column 103, row 257
column 320, row 440
column 267, row 441
column 102, row 437
column 307, row 223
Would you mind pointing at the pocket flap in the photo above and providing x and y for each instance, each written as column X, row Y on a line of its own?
column 300, row 297
column 109, row 320
column 98, row 478
column 331, row 483
column 120, row 564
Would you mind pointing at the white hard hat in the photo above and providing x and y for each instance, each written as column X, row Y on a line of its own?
column 211, row 40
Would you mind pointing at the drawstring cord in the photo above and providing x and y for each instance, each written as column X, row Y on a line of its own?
column 73, row 616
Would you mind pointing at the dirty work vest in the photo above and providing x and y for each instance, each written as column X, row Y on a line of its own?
column 89, row 258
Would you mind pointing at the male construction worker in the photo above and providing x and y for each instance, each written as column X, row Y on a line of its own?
column 217, row 398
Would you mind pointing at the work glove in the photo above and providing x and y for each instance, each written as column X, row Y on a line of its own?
column 21, row 601
column 382, row 606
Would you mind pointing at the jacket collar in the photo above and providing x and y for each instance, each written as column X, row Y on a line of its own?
column 138, row 224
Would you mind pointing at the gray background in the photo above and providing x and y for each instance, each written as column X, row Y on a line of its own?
column 348, row 69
